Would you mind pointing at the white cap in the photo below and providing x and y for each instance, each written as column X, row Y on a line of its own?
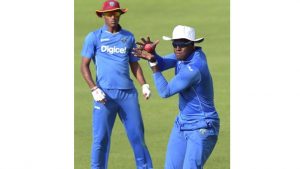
column 183, row 32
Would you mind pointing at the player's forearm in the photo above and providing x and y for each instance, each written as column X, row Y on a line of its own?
column 87, row 75
column 161, row 83
column 178, row 83
column 138, row 73
column 140, row 76
column 165, row 63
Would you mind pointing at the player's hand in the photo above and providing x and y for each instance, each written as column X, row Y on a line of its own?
column 140, row 51
column 99, row 95
column 151, row 47
column 146, row 91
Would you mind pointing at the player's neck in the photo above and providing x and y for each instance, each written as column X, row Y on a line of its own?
column 113, row 29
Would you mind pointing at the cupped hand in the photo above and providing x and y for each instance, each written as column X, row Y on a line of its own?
column 146, row 41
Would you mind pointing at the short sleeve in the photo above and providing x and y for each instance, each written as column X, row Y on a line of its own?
column 132, row 58
column 88, row 49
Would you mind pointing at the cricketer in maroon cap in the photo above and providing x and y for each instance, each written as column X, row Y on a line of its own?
column 110, row 49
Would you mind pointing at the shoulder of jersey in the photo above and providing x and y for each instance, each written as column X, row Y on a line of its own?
column 127, row 32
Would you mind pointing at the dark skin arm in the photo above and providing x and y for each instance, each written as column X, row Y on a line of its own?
column 86, row 72
column 138, row 73
column 87, row 75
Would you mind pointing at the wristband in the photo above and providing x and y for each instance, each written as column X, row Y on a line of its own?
column 152, row 64
column 94, row 88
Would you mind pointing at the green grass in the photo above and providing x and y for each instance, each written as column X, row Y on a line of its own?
column 157, row 18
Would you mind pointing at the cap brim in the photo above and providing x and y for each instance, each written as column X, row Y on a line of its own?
column 199, row 40
column 99, row 12
column 166, row 38
column 196, row 40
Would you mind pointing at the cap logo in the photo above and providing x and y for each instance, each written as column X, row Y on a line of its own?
column 112, row 4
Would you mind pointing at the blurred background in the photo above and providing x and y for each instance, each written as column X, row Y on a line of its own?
column 211, row 19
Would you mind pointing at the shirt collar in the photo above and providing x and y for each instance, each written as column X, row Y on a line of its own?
column 105, row 28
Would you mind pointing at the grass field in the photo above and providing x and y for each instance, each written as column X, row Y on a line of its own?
column 157, row 18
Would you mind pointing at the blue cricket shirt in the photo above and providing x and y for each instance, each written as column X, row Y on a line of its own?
column 111, row 53
column 193, row 83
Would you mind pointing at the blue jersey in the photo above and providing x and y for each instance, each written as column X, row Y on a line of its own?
column 111, row 53
column 194, row 85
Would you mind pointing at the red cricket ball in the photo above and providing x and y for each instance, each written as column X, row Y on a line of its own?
column 148, row 47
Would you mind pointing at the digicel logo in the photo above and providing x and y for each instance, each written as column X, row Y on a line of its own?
column 112, row 50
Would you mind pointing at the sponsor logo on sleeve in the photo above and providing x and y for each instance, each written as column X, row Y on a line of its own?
column 189, row 67
column 97, row 107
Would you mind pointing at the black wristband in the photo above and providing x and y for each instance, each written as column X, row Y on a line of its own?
column 152, row 60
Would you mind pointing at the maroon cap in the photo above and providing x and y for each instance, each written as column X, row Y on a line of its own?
column 110, row 5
